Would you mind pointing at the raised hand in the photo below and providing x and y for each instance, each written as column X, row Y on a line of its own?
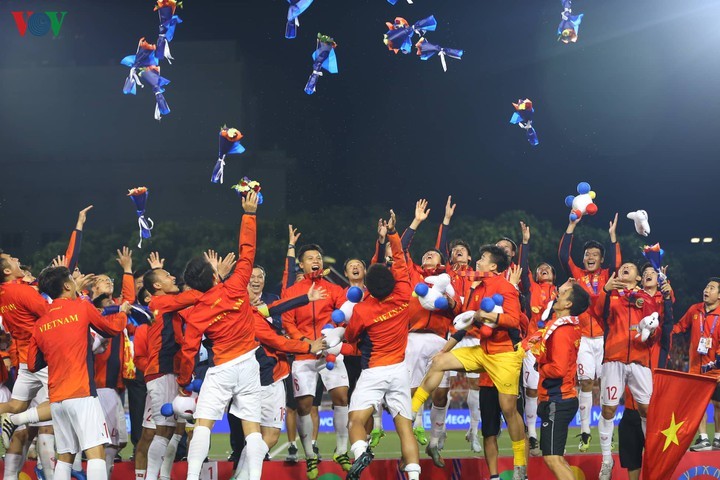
column 315, row 294
column 515, row 274
column 612, row 228
column 317, row 345
column 82, row 216
column 613, row 283
column 293, row 235
column 124, row 258
column 421, row 210
column 449, row 210
column 212, row 257
column 155, row 261
column 392, row 221
column 250, row 202
column 59, row 261
column 382, row 230
column 226, row 264
column 82, row 281
column 525, row 232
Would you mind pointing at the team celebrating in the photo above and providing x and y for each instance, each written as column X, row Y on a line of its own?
column 216, row 343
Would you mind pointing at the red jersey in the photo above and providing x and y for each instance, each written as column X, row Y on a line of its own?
column 308, row 320
column 622, row 312
column 422, row 320
column 380, row 326
column 500, row 341
column 538, row 294
column 140, row 347
column 276, row 345
column 701, row 323
column 224, row 314
column 62, row 341
column 20, row 306
column 591, row 282
column 557, row 359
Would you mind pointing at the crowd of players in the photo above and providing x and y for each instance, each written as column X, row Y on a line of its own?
column 72, row 350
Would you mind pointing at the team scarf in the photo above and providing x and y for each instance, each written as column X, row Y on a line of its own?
column 543, row 335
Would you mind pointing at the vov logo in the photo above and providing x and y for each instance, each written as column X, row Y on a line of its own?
column 39, row 23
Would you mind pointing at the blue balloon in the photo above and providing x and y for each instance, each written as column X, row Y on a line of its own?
column 421, row 289
column 573, row 217
column 196, row 385
column 541, row 324
column 568, row 200
column 167, row 410
column 441, row 303
column 354, row 294
column 487, row 304
column 498, row 299
column 330, row 365
column 328, row 326
column 337, row 316
column 583, row 188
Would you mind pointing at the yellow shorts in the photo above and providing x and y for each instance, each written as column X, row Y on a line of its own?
column 502, row 368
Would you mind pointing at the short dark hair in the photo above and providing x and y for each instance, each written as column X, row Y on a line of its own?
column 461, row 243
column 199, row 274
column 594, row 244
column 379, row 280
column 142, row 293
column 507, row 239
column 546, row 263
column 307, row 248
column 98, row 301
column 148, row 281
column 51, row 281
column 580, row 300
column 442, row 257
column 139, row 273
column 261, row 268
column 497, row 256
column 645, row 266
column 3, row 266
column 714, row 279
column 351, row 259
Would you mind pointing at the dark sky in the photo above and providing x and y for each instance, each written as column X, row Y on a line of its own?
column 631, row 108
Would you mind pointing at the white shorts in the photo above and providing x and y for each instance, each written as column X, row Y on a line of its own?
column 236, row 380
column 79, row 424
column 421, row 348
column 4, row 394
column 147, row 416
column 305, row 372
column 531, row 377
column 28, row 385
column 590, row 356
column 273, row 405
column 616, row 375
column 467, row 341
column 121, row 422
column 162, row 390
column 390, row 383
column 109, row 402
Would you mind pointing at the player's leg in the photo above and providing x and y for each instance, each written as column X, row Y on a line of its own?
column 246, row 404
column 442, row 363
column 586, row 369
column 416, row 366
column 490, row 427
column 304, row 384
column 399, row 402
column 170, row 451
column 614, row 381
column 336, row 383
column 161, row 390
column 531, row 377
column 290, row 419
column 556, row 417
column 146, row 437
column 89, row 427
column 631, row 441
column 640, row 384
column 108, row 401
column 370, row 389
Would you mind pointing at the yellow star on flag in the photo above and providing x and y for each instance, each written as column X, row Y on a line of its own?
column 671, row 433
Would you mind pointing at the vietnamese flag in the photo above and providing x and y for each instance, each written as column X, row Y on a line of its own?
column 678, row 402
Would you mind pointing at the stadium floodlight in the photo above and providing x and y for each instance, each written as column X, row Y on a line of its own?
column 707, row 240
column 695, row 240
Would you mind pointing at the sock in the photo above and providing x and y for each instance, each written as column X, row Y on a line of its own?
column 703, row 436
column 437, row 424
column 46, row 454
column 519, row 452
column 62, row 469
column 473, row 401
column 377, row 418
column 493, row 477
column 418, row 422
column 256, row 450
column 413, row 471
column 419, row 399
column 12, row 466
column 28, row 416
column 139, row 474
column 342, row 436
column 241, row 472
column 110, row 452
column 169, row 457
column 305, row 428
column 585, row 401
column 643, row 422
column 197, row 451
column 155, row 456
column 96, row 469
column 531, row 405
column 77, row 463
column 717, row 436
column 605, row 428
column 358, row 448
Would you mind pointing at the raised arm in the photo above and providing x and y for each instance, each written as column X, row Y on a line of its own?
column 565, row 251
column 238, row 281
column 72, row 254
column 441, row 244
column 380, row 244
column 524, row 254
column 421, row 214
column 124, row 258
column 190, row 346
column 614, row 258
column 288, row 278
column 109, row 325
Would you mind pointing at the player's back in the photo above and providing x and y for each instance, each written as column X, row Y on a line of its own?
column 20, row 307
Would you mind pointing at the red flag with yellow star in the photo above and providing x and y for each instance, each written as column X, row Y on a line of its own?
column 678, row 402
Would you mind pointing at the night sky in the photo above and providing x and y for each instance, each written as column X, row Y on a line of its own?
column 630, row 108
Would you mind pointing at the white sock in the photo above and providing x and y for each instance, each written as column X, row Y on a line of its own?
column 256, row 450
column 169, row 457
column 717, row 436
column 605, row 428
column 643, row 422
column 13, row 462
column 531, row 404
column 305, row 429
column 46, row 454
column 413, row 470
column 418, row 423
column 473, row 401
column 110, row 452
column 28, row 416
column 139, row 474
column 377, row 418
column 197, row 451
column 437, row 420
column 62, row 470
column 155, row 454
column 241, row 472
column 703, row 436
column 96, row 469
column 342, row 436
column 77, row 463
column 358, row 448
column 585, row 401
